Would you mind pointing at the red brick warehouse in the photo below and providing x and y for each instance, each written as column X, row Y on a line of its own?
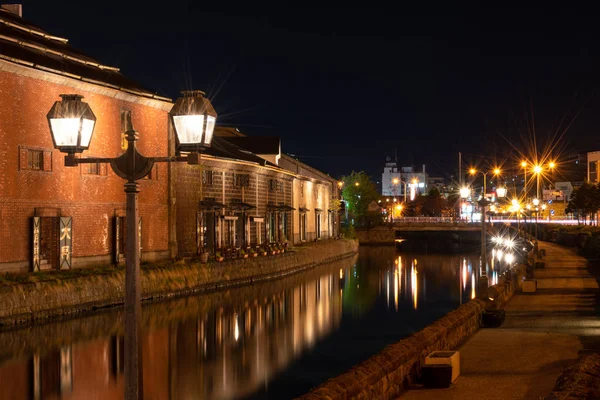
column 244, row 192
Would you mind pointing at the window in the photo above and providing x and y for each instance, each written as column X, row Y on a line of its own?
column 98, row 169
column 242, row 180
column 207, row 177
column 275, row 185
column 33, row 159
column 593, row 171
column 90, row 169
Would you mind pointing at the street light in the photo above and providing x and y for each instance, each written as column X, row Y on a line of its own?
column 524, row 166
column 395, row 181
column 483, row 279
column 537, row 169
column 72, row 123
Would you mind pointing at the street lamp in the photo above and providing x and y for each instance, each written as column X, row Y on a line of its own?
column 537, row 169
column 72, row 123
column 395, row 181
column 536, row 203
column 524, row 166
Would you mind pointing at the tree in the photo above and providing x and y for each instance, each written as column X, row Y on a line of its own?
column 358, row 191
column 585, row 202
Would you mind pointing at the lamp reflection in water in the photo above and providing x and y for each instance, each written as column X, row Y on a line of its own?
column 473, row 285
column 413, row 283
column 464, row 274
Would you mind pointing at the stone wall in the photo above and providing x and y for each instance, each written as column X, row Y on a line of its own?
column 387, row 374
column 378, row 235
column 25, row 303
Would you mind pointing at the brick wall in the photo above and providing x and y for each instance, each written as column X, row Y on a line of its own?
column 89, row 199
column 189, row 191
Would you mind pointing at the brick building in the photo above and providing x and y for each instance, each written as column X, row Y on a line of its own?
column 52, row 216
column 244, row 192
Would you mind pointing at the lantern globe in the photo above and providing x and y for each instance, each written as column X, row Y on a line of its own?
column 501, row 192
column 194, row 120
column 71, row 124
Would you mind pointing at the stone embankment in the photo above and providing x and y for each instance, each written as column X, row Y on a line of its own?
column 28, row 302
column 387, row 374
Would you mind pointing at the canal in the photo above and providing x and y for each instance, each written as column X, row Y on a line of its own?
column 274, row 340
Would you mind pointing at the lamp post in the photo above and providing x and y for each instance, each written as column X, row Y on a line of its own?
column 537, row 169
column 483, row 203
column 72, row 125
column 536, row 203
column 395, row 181
column 524, row 166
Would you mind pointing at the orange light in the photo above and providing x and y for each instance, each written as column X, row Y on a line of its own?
column 497, row 171
column 395, row 181
column 537, row 169
column 551, row 164
column 523, row 164
column 356, row 184
column 472, row 171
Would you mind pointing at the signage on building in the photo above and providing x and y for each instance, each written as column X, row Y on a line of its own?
column 36, row 244
column 65, row 242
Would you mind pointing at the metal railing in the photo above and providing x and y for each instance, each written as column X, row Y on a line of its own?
column 426, row 220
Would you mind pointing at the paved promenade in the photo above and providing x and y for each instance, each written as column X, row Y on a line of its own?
column 543, row 333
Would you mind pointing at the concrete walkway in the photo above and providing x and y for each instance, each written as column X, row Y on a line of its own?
column 543, row 332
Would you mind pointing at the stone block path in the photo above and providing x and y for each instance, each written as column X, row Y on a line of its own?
column 543, row 332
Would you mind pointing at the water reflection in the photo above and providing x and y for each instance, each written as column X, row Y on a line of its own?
column 266, row 340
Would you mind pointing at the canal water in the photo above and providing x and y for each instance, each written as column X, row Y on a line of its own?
column 275, row 340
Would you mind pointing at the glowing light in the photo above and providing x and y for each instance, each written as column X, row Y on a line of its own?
column 236, row 330
column 509, row 258
column 356, row 184
column 523, row 164
column 501, row 192
column 464, row 273
column 500, row 254
column 537, row 169
column 340, row 184
column 551, row 164
column 496, row 171
column 473, row 285
column 395, row 181
column 536, row 202
column 341, row 274
column 413, row 284
column 472, row 171
column 514, row 202
column 464, row 192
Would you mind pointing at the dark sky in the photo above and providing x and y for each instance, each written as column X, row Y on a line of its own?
column 343, row 88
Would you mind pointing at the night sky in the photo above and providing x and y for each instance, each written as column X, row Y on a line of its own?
column 343, row 88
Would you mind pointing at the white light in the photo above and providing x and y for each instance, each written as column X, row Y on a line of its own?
column 464, row 192
column 87, row 127
column 189, row 128
column 65, row 131
column 501, row 191
column 210, row 127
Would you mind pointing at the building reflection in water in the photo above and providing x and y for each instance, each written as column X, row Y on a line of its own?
column 237, row 348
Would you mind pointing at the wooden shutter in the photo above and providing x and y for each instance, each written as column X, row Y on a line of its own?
column 47, row 161
column 65, row 240
column 199, row 232
column 23, row 159
column 118, row 239
column 35, row 259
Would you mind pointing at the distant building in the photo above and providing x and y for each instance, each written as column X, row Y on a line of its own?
column 593, row 158
column 394, row 181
